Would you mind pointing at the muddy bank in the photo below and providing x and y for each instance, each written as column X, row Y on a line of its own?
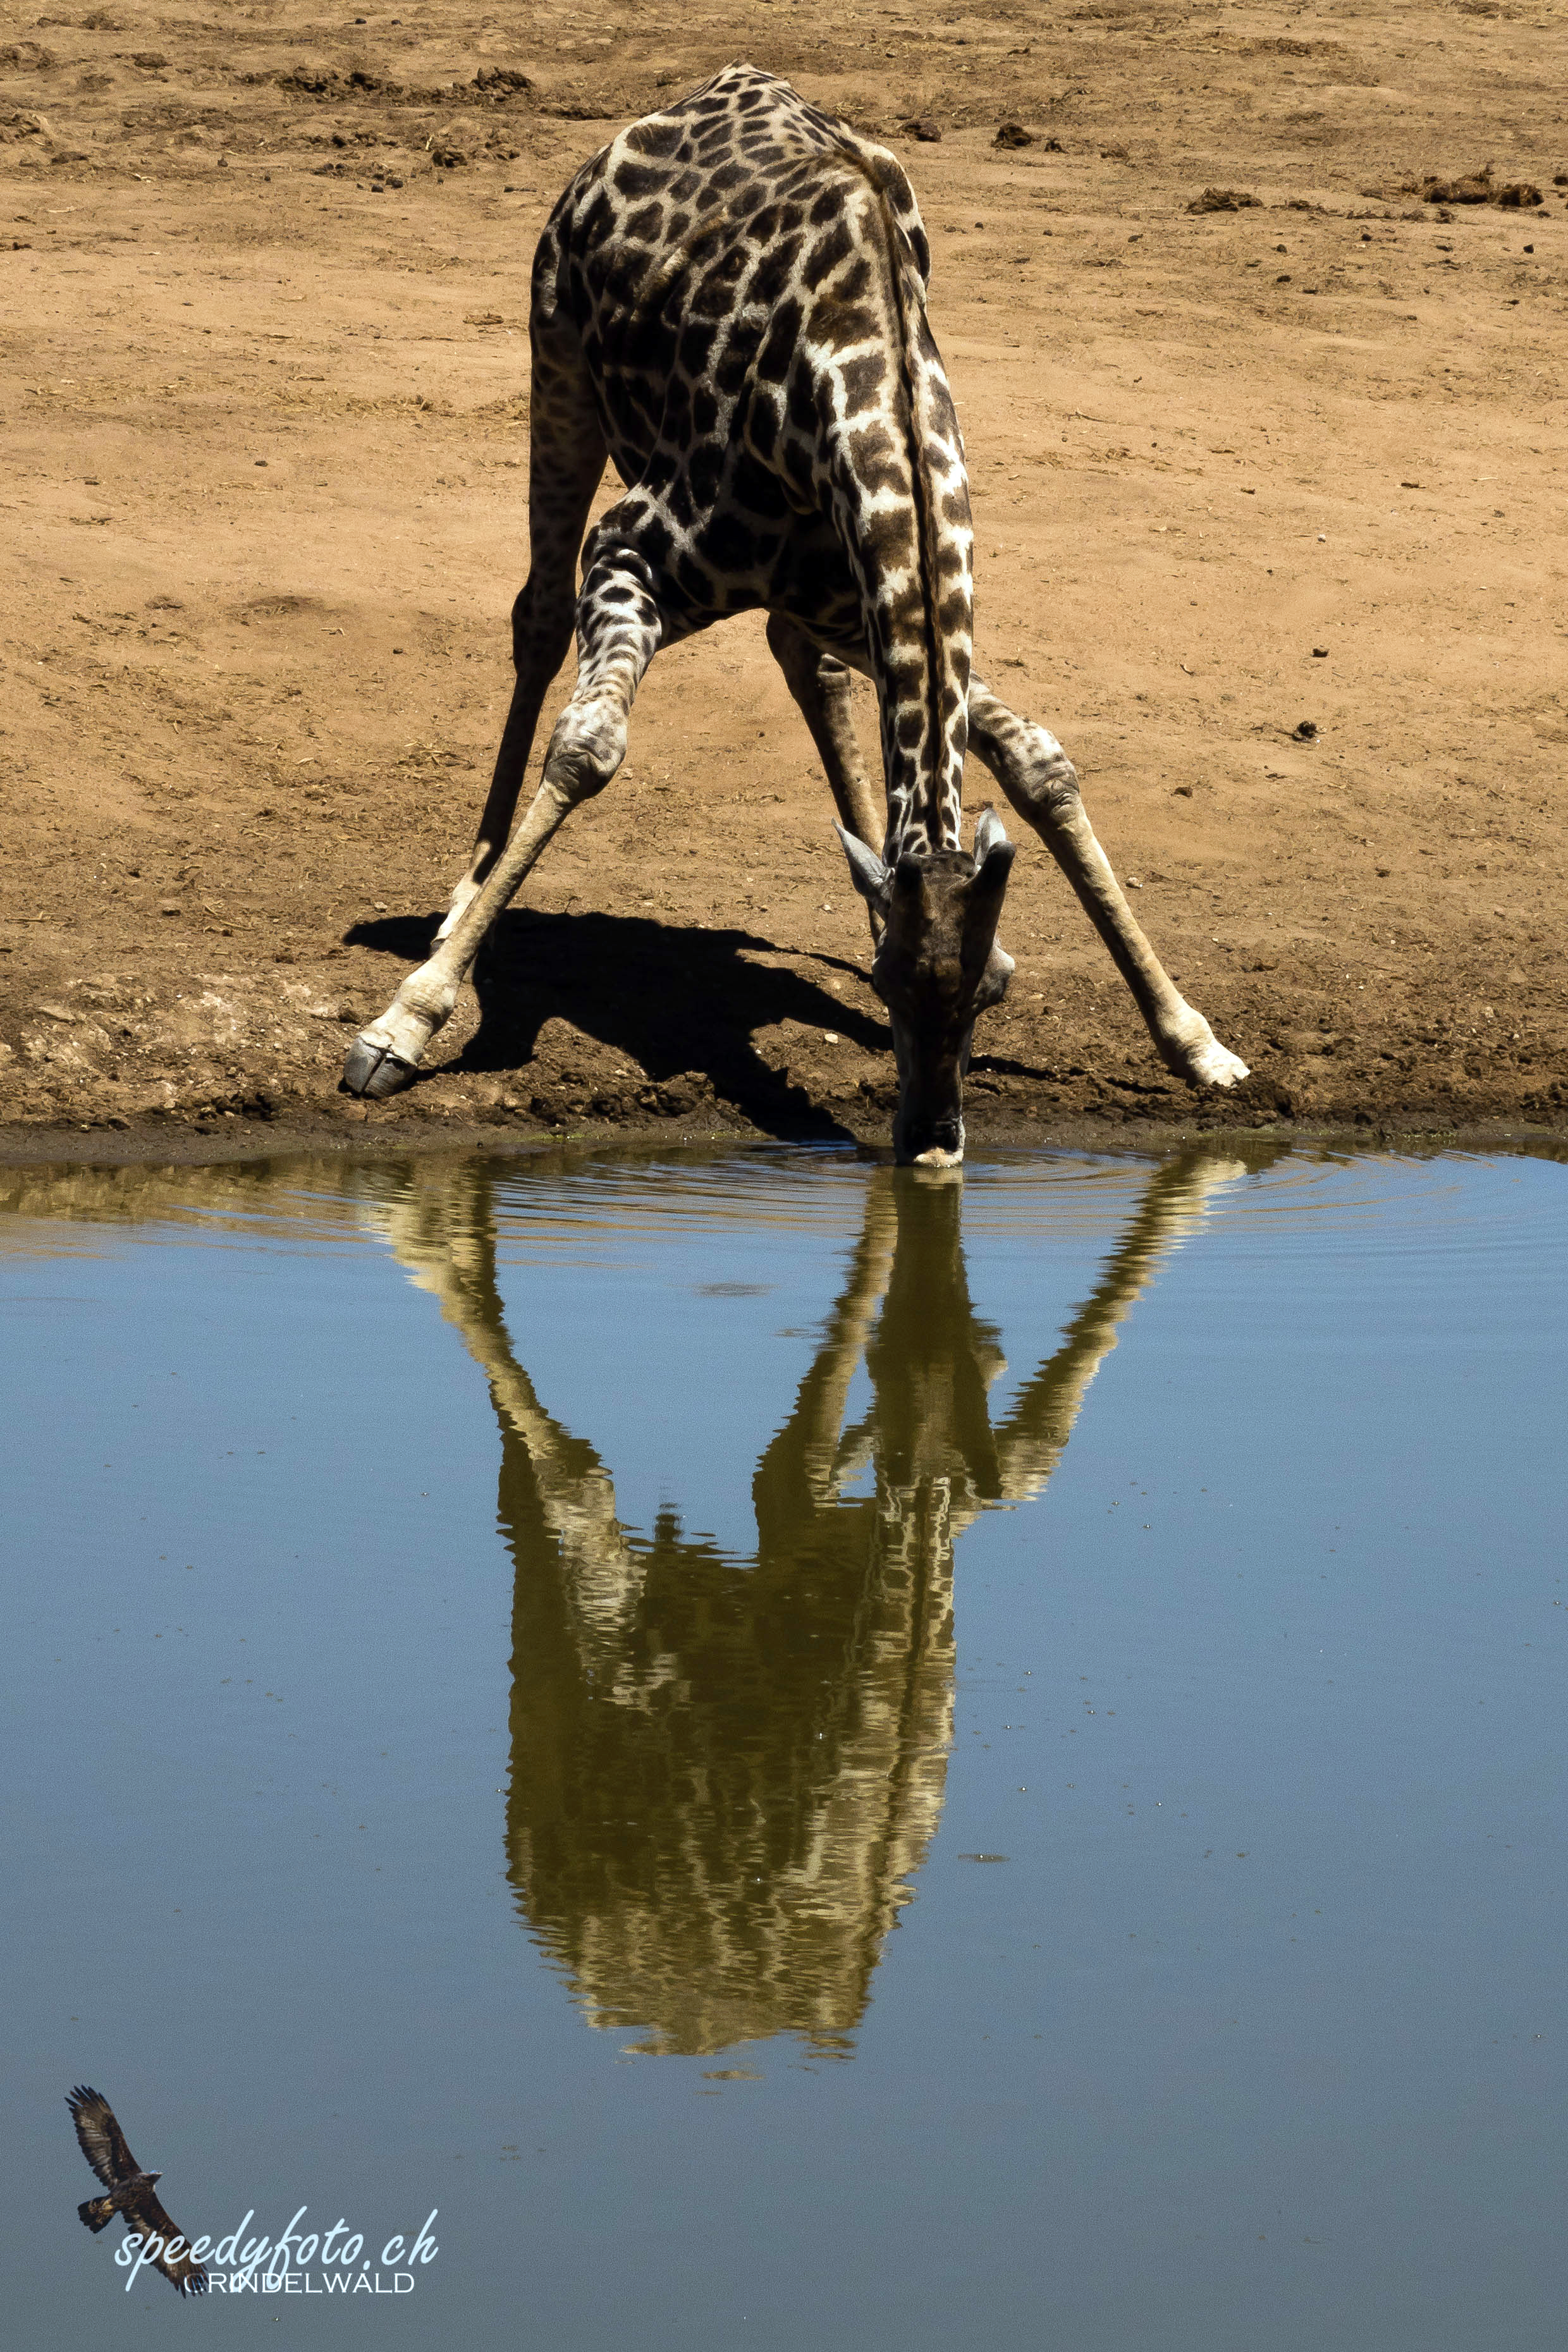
column 156, row 1143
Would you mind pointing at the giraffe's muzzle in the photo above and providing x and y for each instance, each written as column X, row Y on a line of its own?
column 945, row 1149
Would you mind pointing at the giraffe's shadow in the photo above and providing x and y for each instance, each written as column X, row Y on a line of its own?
column 674, row 999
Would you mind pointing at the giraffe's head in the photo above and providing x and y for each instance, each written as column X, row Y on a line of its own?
column 937, row 965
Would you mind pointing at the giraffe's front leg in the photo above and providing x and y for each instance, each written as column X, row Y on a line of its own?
column 619, row 630
column 820, row 684
column 385, row 1057
column 1042, row 784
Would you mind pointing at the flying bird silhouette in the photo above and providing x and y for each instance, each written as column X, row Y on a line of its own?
column 131, row 2193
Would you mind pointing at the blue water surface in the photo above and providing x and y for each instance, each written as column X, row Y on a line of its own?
column 805, row 1757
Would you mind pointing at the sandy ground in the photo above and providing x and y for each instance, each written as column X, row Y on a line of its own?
column 1237, row 474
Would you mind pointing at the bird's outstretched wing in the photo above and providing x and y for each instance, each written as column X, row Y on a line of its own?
column 101, row 2140
column 146, row 2215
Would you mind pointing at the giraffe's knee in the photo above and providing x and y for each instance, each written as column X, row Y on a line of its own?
column 1056, row 784
column 1042, row 784
column 587, row 747
column 836, row 685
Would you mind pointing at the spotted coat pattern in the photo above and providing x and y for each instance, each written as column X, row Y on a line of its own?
column 744, row 281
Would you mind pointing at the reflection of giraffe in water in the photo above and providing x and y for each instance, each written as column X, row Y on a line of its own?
column 724, row 1772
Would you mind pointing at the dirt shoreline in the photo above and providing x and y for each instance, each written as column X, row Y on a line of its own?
column 1268, row 503
column 177, row 1144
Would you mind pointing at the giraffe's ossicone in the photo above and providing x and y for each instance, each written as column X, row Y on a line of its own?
column 728, row 305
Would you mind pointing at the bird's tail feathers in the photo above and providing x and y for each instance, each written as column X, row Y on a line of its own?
column 98, row 2213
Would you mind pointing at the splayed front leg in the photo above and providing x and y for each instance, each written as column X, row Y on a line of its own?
column 385, row 1057
column 1042, row 784
column 566, row 460
column 618, row 629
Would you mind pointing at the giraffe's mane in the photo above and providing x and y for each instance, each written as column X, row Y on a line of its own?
column 908, row 303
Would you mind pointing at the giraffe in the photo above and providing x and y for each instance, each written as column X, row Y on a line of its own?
column 729, row 304
column 725, row 1771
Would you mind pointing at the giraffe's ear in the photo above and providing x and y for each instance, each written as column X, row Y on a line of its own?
column 867, row 871
column 993, row 855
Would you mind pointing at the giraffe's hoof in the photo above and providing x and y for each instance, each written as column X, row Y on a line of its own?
column 1215, row 1066
column 375, row 1071
column 1197, row 1056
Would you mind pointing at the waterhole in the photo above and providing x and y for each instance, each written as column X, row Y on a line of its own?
column 512, row 1664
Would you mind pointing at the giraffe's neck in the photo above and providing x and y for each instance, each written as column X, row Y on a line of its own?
column 901, row 504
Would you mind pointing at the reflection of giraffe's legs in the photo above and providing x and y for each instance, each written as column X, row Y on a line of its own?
column 1041, row 783
column 619, row 630
column 1040, row 1420
column 442, row 1231
column 806, row 1467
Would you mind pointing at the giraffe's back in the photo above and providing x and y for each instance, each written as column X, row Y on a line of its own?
column 719, row 262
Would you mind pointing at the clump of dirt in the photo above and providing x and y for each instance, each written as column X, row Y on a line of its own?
column 1224, row 200
column 491, row 86
column 18, row 122
column 1475, row 188
column 1013, row 134
column 324, row 82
